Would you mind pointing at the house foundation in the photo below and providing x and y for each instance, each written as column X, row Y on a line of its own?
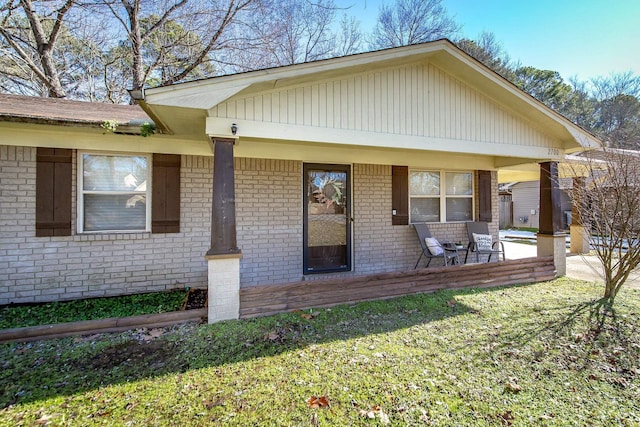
column 554, row 245
column 224, row 287
column 579, row 240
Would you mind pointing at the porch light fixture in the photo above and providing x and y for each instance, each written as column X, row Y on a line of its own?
column 234, row 129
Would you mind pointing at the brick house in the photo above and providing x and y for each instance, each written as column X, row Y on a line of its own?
column 301, row 172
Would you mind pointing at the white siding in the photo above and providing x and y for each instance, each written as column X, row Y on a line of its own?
column 418, row 100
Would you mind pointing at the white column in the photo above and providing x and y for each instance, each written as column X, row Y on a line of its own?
column 224, row 287
column 579, row 240
column 556, row 246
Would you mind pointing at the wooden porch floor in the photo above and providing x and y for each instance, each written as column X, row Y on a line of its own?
column 271, row 299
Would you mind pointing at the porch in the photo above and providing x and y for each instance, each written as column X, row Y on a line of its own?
column 258, row 301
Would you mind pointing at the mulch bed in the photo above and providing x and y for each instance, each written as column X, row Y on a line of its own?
column 196, row 298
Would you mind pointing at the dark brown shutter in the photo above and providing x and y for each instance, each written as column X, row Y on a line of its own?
column 53, row 192
column 484, row 196
column 400, row 195
column 165, row 205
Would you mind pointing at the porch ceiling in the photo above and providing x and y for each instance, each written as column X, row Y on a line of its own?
column 569, row 167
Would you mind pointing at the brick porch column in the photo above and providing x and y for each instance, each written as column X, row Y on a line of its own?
column 579, row 234
column 223, row 258
column 551, row 237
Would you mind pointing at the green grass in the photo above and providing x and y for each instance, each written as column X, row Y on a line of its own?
column 95, row 308
column 544, row 354
column 533, row 230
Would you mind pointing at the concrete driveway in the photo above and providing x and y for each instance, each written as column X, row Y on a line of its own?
column 583, row 267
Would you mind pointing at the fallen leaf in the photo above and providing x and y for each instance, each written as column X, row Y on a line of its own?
column 211, row 404
column 306, row 316
column 272, row 336
column 155, row 333
column 507, row 417
column 451, row 303
column 512, row 386
column 43, row 420
column 314, row 420
column 318, row 402
column 376, row 411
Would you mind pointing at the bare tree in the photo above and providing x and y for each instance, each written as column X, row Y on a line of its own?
column 409, row 22
column 581, row 108
column 169, row 41
column 488, row 50
column 297, row 31
column 349, row 39
column 32, row 32
column 617, row 109
column 608, row 204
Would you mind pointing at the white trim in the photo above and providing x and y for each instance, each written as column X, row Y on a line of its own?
column 288, row 132
column 80, row 192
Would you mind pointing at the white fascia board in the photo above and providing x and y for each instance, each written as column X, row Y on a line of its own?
column 584, row 139
column 199, row 98
column 277, row 131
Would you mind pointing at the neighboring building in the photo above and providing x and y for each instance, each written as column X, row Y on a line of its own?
column 307, row 171
column 525, row 199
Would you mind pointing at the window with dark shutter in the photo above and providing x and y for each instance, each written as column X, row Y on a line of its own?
column 400, row 195
column 53, row 192
column 165, row 204
column 484, row 196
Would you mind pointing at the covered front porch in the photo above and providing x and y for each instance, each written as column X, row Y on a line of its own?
column 407, row 135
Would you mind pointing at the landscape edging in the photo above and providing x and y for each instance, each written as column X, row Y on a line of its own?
column 89, row 327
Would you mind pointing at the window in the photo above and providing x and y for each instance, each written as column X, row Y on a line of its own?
column 113, row 192
column 434, row 195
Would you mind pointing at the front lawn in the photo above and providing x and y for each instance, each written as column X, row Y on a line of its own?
column 543, row 354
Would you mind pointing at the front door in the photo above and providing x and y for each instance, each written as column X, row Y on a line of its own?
column 327, row 218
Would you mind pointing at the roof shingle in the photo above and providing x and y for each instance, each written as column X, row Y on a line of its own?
column 53, row 110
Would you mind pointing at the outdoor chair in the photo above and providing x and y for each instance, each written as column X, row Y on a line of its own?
column 431, row 248
column 481, row 242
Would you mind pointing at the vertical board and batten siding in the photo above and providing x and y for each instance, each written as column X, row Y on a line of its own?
column 417, row 100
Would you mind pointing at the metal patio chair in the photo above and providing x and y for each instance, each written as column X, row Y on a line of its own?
column 449, row 255
column 482, row 229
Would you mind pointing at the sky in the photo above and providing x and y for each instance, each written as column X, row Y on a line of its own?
column 577, row 38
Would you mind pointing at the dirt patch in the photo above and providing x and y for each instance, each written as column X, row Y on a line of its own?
column 149, row 355
column 196, row 298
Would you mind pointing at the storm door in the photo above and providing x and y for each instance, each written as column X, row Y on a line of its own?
column 327, row 218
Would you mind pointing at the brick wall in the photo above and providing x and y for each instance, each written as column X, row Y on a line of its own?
column 269, row 220
column 36, row 269
column 269, row 230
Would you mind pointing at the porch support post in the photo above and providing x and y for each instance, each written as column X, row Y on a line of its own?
column 551, row 237
column 223, row 258
column 579, row 233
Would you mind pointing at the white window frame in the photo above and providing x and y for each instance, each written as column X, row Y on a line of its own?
column 443, row 196
column 80, row 191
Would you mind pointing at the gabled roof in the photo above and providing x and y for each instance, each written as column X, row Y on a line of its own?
column 31, row 109
column 182, row 108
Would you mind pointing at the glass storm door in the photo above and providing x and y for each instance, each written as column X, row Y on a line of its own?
column 327, row 218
